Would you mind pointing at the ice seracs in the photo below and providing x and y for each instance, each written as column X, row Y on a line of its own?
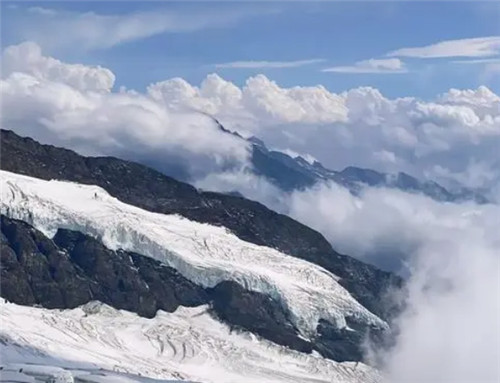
column 202, row 253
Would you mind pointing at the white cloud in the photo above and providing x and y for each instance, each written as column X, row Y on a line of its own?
column 473, row 47
column 482, row 100
column 385, row 156
column 477, row 61
column 379, row 66
column 27, row 58
column 449, row 331
column 43, row 11
column 249, row 185
column 268, row 64
column 72, row 105
column 475, row 175
column 260, row 102
column 54, row 29
column 351, row 128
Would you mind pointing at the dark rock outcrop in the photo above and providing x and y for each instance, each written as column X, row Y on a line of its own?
column 73, row 269
column 257, row 313
column 141, row 186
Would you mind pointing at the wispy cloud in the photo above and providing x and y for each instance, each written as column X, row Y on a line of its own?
column 381, row 66
column 474, row 47
column 89, row 30
column 43, row 11
column 268, row 64
column 478, row 61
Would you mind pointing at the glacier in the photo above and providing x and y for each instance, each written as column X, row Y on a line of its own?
column 202, row 253
column 96, row 343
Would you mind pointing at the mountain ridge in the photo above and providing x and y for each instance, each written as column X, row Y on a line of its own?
column 296, row 173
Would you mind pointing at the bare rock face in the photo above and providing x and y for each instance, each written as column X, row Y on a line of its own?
column 257, row 313
column 73, row 269
column 35, row 271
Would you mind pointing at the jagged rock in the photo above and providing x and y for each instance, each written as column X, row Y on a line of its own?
column 43, row 272
column 257, row 313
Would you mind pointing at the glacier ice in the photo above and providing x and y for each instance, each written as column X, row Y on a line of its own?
column 100, row 344
column 203, row 253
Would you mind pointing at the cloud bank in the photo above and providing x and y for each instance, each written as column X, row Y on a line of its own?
column 452, row 139
column 457, row 130
column 450, row 331
column 74, row 106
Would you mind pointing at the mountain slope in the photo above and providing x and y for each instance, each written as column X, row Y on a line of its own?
column 250, row 221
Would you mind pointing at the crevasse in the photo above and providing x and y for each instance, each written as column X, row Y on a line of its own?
column 202, row 253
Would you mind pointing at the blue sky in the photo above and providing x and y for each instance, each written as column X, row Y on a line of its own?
column 338, row 33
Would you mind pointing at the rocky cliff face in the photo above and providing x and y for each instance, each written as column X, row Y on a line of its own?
column 141, row 186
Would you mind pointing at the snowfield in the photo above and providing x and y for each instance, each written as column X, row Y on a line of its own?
column 202, row 253
column 96, row 343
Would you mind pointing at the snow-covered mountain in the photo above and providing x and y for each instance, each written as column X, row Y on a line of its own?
column 78, row 229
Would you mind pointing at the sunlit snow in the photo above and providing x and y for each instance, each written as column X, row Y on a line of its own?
column 96, row 343
column 204, row 254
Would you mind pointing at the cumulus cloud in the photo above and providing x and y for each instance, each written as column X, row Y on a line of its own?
column 350, row 128
column 268, row 64
column 379, row 66
column 73, row 106
column 27, row 58
column 472, row 47
column 482, row 100
column 261, row 102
